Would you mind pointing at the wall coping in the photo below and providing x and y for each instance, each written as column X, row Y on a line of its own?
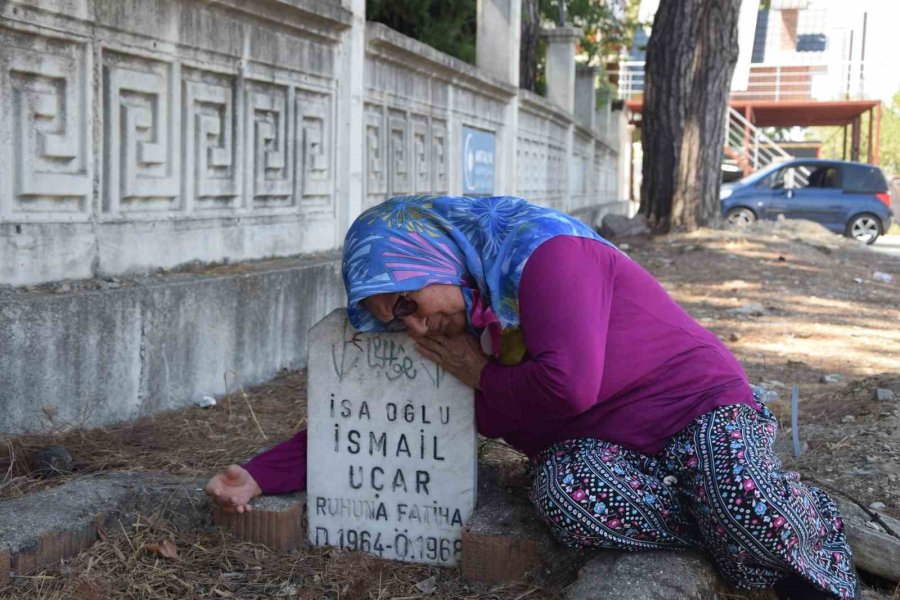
column 311, row 16
column 384, row 42
column 539, row 104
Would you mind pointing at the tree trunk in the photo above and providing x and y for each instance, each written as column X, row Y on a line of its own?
column 691, row 55
column 528, row 58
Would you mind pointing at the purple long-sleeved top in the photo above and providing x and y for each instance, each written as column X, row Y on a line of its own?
column 610, row 356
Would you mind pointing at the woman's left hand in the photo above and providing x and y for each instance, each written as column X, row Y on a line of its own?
column 460, row 355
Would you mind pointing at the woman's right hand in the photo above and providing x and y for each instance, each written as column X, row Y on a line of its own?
column 233, row 489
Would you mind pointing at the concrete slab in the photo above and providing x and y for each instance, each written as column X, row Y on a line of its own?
column 42, row 528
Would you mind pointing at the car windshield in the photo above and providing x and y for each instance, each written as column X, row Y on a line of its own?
column 758, row 175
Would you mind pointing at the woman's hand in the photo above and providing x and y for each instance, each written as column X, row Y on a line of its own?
column 460, row 355
column 233, row 489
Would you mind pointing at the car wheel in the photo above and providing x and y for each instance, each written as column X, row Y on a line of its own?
column 864, row 228
column 740, row 217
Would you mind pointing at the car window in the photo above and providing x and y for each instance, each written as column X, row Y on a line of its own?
column 864, row 179
column 825, row 176
column 794, row 177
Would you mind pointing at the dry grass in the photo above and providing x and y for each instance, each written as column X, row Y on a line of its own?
column 210, row 566
column 190, row 441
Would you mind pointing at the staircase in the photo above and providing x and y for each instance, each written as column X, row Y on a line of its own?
column 746, row 144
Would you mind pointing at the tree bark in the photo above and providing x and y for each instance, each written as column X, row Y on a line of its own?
column 528, row 58
column 691, row 55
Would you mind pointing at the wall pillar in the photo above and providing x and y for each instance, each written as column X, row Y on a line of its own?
column 561, row 66
column 352, row 123
column 497, row 54
column 585, row 95
column 499, row 37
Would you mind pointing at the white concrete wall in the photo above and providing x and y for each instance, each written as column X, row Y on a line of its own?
column 140, row 134
column 137, row 134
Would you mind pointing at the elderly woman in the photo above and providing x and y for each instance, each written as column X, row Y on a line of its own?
column 641, row 428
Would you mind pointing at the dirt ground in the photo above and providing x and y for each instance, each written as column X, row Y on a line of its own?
column 821, row 311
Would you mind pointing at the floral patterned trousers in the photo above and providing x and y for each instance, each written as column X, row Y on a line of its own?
column 717, row 485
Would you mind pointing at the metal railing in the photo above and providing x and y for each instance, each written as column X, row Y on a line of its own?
column 749, row 146
column 847, row 80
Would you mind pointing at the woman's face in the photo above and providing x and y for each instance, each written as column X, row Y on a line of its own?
column 440, row 310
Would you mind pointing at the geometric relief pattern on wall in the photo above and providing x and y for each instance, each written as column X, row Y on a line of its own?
column 315, row 154
column 421, row 155
column 269, row 152
column 533, row 172
column 47, row 145
column 142, row 131
column 439, row 156
column 399, row 179
column 212, row 178
column 556, row 170
column 375, row 155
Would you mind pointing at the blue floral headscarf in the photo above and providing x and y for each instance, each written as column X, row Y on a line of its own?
column 479, row 243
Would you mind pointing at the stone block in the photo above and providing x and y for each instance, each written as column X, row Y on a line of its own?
column 88, row 357
column 277, row 522
column 392, row 447
column 505, row 539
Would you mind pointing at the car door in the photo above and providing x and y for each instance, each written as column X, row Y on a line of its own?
column 783, row 183
column 817, row 194
column 767, row 196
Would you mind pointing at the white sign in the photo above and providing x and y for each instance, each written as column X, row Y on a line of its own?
column 392, row 447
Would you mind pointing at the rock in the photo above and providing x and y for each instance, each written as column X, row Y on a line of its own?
column 52, row 460
column 884, row 395
column 848, row 419
column 427, row 586
column 621, row 226
column 875, row 526
column 753, row 310
column 205, row 401
column 831, row 378
column 878, row 506
column 734, row 337
column 648, row 576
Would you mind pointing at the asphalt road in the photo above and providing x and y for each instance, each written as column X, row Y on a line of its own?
column 887, row 244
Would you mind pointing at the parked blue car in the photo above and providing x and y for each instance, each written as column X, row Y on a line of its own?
column 846, row 197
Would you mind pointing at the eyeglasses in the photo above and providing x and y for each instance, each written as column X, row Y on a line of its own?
column 404, row 306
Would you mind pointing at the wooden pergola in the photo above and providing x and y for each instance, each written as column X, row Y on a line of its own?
column 808, row 113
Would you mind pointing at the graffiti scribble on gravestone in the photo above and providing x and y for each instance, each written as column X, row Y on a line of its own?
column 390, row 355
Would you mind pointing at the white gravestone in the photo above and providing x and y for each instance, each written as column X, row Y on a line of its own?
column 392, row 447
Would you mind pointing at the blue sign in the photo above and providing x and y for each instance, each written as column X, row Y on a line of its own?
column 478, row 158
